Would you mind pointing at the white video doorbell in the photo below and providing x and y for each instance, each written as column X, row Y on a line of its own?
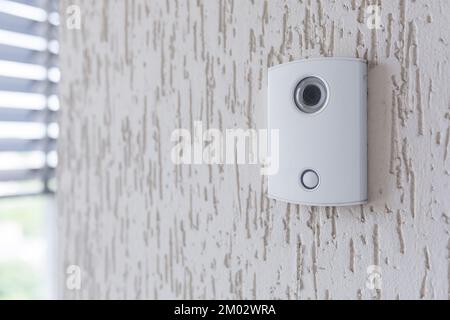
column 319, row 107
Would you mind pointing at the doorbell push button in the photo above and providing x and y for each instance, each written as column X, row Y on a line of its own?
column 319, row 109
column 310, row 179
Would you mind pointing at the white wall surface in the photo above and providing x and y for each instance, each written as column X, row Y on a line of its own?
column 140, row 227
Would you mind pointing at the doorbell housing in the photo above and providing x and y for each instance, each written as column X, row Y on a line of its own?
column 319, row 107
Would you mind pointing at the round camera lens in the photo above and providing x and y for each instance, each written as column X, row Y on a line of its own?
column 311, row 95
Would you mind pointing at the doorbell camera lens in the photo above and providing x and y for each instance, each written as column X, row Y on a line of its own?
column 310, row 95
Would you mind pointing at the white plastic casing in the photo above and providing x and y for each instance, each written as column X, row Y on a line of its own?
column 331, row 142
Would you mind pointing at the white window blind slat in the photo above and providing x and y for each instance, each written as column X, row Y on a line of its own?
column 23, row 10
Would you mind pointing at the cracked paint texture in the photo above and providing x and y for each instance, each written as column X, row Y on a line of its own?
column 142, row 228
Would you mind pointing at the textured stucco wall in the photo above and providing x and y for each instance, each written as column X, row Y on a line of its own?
column 141, row 227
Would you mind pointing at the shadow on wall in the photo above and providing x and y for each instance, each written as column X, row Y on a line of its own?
column 379, row 132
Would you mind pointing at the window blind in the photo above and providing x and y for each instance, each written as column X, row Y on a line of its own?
column 29, row 77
